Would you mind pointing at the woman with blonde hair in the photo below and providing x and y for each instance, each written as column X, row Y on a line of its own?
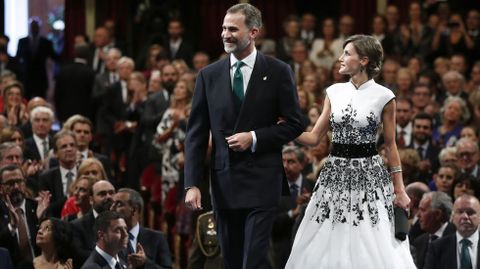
column 90, row 171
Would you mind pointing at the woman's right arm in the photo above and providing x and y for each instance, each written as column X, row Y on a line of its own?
column 321, row 127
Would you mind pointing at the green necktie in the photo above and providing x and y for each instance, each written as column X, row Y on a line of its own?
column 238, row 84
column 465, row 260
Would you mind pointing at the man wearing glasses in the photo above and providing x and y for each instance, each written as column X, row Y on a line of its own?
column 468, row 157
column 19, row 215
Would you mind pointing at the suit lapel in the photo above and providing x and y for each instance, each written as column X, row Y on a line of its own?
column 58, row 183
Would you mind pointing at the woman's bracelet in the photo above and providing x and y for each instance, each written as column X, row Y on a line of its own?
column 395, row 169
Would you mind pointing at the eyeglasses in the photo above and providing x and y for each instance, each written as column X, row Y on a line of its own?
column 12, row 182
column 467, row 154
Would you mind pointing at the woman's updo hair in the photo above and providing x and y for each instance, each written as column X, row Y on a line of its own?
column 370, row 47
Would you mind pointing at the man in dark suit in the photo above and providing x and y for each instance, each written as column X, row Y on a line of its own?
column 129, row 204
column 83, row 233
column 403, row 118
column 434, row 213
column 38, row 146
column 32, row 54
column 111, row 237
column 57, row 180
column 456, row 250
column 177, row 46
column 98, row 51
column 249, row 122
column 415, row 192
column 422, row 143
column 73, row 86
column 19, row 216
column 290, row 206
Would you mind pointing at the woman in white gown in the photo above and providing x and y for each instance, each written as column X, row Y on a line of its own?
column 349, row 220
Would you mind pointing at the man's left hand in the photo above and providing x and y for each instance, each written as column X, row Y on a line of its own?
column 137, row 260
column 240, row 141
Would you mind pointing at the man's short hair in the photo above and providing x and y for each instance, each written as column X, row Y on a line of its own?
column 10, row 168
column 134, row 198
column 41, row 109
column 253, row 16
column 297, row 151
column 7, row 146
column 103, row 220
column 423, row 116
column 60, row 135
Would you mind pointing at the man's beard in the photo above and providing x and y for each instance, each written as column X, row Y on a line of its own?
column 169, row 86
column 16, row 197
column 104, row 206
column 239, row 45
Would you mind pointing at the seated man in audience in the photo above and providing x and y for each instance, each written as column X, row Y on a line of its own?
column 57, row 180
column 111, row 238
column 129, row 204
column 460, row 249
column 290, row 206
column 468, row 156
column 434, row 213
column 83, row 234
column 415, row 192
column 19, row 216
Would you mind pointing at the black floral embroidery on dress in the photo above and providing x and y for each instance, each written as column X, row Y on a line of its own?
column 349, row 190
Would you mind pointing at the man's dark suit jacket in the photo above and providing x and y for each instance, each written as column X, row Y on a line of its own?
column 432, row 155
column 422, row 242
column 9, row 240
column 96, row 261
column 51, row 180
column 156, row 249
column 282, row 237
column 184, row 52
column 240, row 179
column 5, row 259
column 31, row 151
column 83, row 238
column 443, row 253
column 73, row 87
column 33, row 65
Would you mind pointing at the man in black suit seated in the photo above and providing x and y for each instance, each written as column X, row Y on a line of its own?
column 415, row 192
column 57, row 180
column 156, row 255
column 83, row 234
column 111, row 238
column 422, row 142
column 19, row 216
column 290, row 206
column 38, row 146
column 434, row 214
column 460, row 249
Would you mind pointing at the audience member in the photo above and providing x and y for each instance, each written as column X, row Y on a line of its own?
column 111, row 237
column 454, row 113
column 156, row 255
column 80, row 194
column 54, row 238
column 415, row 192
column 176, row 45
column 434, row 213
column 468, row 156
column 14, row 108
column 38, row 146
column 445, row 178
column 459, row 249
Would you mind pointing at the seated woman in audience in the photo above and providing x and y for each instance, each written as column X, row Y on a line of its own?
column 89, row 167
column 80, row 190
column 311, row 83
column 448, row 155
column 54, row 240
column 454, row 114
column 13, row 104
column 465, row 184
column 410, row 164
column 12, row 134
column 151, row 61
column 444, row 178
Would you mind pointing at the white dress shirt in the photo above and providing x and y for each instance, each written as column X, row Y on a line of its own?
column 63, row 172
column 112, row 261
column 408, row 133
column 134, row 231
column 39, row 143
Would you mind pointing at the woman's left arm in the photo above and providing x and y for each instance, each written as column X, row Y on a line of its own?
column 401, row 199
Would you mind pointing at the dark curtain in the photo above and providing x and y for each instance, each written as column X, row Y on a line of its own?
column 273, row 14
column 362, row 11
column 212, row 13
column 74, row 24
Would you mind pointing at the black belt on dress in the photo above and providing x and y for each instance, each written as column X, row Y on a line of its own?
column 354, row 150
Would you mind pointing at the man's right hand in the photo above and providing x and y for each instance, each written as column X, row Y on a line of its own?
column 193, row 199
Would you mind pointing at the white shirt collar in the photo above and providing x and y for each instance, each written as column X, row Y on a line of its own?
column 112, row 261
column 298, row 182
column 440, row 231
column 135, row 231
column 473, row 237
column 248, row 61
column 407, row 129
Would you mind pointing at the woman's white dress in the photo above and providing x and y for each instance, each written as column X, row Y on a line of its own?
column 349, row 220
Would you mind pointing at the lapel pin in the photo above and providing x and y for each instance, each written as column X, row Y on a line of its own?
column 265, row 78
